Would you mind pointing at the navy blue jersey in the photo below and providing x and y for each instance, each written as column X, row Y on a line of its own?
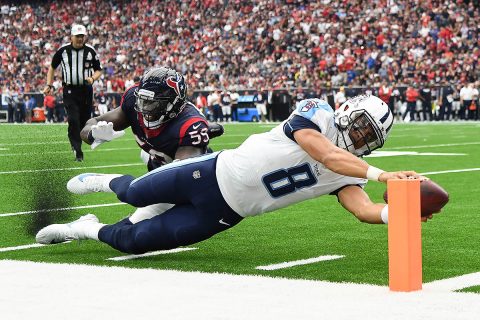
column 101, row 99
column 189, row 128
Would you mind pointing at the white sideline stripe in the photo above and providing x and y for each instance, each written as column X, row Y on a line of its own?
column 290, row 264
column 26, row 246
column 74, row 168
column 149, row 254
column 3, row 149
column 66, row 291
column 62, row 209
column 449, row 171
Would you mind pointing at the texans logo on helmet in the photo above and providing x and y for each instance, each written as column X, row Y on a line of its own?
column 176, row 85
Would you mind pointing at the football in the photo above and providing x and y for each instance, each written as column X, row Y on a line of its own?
column 432, row 197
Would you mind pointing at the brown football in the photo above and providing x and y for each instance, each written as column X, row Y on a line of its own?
column 432, row 197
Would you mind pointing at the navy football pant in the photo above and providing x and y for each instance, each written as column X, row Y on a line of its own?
column 199, row 212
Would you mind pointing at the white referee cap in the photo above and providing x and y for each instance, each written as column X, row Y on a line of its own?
column 78, row 29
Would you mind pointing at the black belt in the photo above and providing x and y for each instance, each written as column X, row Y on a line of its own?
column 71, row 86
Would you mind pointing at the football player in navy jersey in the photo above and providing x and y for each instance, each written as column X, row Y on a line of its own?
column 315, row 152
column 165, row 125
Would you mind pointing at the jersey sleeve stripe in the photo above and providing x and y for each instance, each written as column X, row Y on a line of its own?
column 296, row 123
column 187, row 125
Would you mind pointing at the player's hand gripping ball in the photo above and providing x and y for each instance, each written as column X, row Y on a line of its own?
column 432, row 197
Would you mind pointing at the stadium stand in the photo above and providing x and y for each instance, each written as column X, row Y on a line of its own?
column 242, row 45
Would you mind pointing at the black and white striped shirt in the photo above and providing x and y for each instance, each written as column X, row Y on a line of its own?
column 77, row 64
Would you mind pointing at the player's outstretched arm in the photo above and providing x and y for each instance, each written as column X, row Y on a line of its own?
column 341, row 161
column 357, row 201
column 105, row 127
column 332, row 157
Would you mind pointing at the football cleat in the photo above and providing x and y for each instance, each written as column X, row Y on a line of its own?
column 91, row 182
column 58, row 233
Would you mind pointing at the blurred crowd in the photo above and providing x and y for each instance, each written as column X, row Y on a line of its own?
column 238, row 45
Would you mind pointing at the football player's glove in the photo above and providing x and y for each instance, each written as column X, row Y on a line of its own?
column 215, row 130
column 103, row 132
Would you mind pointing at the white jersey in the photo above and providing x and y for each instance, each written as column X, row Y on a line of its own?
column 271, row 171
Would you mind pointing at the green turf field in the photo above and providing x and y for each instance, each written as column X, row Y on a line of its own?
column 36, row 162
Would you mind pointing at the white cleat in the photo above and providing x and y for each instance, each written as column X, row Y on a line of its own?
column 91, row 182
column 75, row 230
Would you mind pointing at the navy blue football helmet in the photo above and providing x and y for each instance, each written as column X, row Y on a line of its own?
column 160, row 96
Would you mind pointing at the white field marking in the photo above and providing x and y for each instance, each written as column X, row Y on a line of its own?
column 3, row 149
column 74, row 168
column 83, row 292
column 436, row 145
column 455, row 283
column 449, row 171
column 69, row 151
column 290, row 264
column 378, row 154
column 62, row 209
column 149, row 254
column 99, row 150
column 66, row 142
column 26, row 246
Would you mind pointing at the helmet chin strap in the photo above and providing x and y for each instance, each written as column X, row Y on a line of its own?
column 153, row 124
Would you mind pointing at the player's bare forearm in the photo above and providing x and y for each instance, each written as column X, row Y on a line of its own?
column 332, row 157
column 188, row 152
column 356, row 201
column 342, row 161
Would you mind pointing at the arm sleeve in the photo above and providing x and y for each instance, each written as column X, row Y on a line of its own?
column 296, row 123
column 96, row 61
column 57, row 59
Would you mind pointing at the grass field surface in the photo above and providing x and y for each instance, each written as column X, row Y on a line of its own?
column 36, row 162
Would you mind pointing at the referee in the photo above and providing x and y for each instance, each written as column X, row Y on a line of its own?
column 80, row 69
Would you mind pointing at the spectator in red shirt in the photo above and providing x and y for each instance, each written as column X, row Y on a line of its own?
column 412, row 97
column 49, row 106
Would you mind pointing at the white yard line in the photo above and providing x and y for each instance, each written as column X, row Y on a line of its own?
column 62, row 209
column 290, row 264
column 74, row 168
column 378, row 154
column 73, row 292
column 149, row 254
column 449, row 171
column 26, row 246
column 62, row 151
column 434, row 145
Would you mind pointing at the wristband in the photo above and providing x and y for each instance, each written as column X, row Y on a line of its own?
column 374, row 173
column 384, row 214
column 90, row 137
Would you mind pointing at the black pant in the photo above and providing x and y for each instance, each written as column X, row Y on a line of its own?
column 445, row 111
column 78, row 104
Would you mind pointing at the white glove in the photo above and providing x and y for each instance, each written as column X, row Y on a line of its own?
column 103, row 132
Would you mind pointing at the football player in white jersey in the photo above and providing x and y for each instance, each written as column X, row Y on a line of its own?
column 315, row 152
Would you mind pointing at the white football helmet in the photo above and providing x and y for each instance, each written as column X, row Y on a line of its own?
column 364, row 123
